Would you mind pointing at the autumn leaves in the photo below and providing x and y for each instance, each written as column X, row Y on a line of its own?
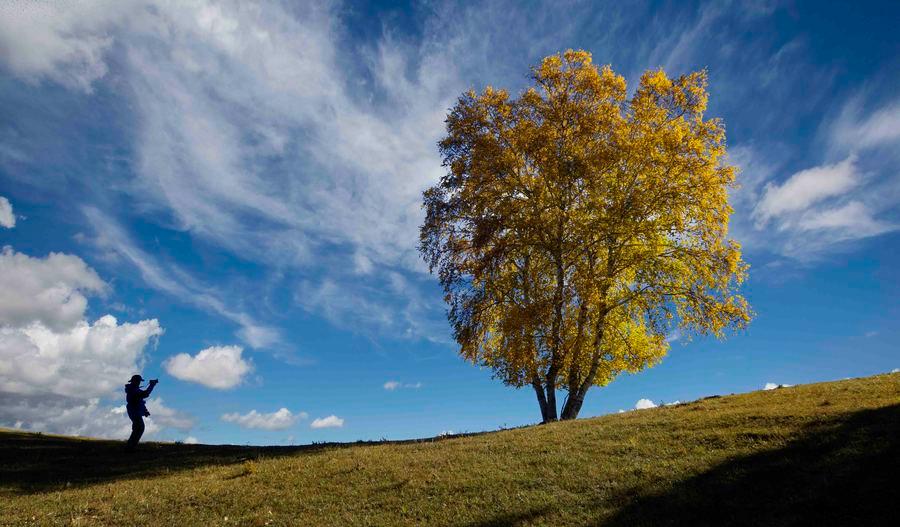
column 576, row 228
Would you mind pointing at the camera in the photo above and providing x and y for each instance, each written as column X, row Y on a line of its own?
column 154, row 381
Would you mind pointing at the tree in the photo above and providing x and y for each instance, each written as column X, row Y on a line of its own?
column 575, row 228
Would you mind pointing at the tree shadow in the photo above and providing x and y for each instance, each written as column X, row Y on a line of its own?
column 32, row 463
column 840, row 472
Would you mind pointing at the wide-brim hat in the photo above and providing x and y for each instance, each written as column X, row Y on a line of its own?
column 136, row 378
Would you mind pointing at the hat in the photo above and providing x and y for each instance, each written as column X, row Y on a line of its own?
column 136, row 378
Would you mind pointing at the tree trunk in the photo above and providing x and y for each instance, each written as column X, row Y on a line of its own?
column 551, row 402
column 573, row 405
column 576, row 398
column 541, row 397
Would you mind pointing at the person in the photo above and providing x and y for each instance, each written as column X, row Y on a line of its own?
column 136, row 408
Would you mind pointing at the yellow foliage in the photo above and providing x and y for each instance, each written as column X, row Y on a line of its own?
column 576, row 228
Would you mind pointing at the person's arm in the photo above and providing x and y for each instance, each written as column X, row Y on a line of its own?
column 146, row 393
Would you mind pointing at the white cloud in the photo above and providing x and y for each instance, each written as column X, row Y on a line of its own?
column 168, row 417
column 394, row 385
column 853, row 218
column 644, row 404
column 7, row 217
column 45, row 344
column 61, row 41
column 279, row 420
column 895, row 370
column 805, row 221
column 362, row 264
column 267, row 75
column 191, row 440
column 56, row 368
column 332, row 421
column 68, row 416
column 855, row 132
column 806, row 188
column 88, row 360
column 773, row 386
column 673, row 403
column 219, row 367
column 84, row 417
column 821, row 209
column 49, row 291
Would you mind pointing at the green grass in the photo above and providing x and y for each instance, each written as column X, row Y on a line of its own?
column 819, row 454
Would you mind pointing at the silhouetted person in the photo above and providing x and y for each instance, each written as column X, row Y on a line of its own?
column 137, row 410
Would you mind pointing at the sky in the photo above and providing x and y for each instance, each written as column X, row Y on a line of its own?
column 226, row 196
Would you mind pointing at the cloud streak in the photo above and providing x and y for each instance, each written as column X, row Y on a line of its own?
column 171, row 279
column 806, row 188
column 396, row 385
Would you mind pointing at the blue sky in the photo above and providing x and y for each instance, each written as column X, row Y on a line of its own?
column 226, row 195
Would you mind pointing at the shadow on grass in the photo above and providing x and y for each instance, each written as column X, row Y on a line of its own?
column 33, row 463
column 512, row 518
column 842, row 472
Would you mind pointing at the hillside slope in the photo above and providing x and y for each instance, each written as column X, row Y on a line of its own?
column 815, row 454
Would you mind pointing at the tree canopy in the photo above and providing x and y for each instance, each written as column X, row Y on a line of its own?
column 576, row 228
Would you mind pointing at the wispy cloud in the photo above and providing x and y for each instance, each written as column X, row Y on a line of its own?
column 396, row 385
column 254, row 133
column 62, row 41
column 257, row 129
column 170, row 278
column 805, row 189
column 856, row 131
column 821, row 209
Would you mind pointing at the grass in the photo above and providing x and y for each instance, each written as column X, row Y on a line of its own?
column 820, row 454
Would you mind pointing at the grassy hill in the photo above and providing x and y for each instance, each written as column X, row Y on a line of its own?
column 820, row 454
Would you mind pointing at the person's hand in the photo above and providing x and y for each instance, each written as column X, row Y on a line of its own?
column 154, row 381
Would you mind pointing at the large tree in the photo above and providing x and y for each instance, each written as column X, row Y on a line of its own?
column 576, row 228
